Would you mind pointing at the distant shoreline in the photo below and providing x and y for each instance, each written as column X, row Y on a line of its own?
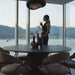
column 31, row 38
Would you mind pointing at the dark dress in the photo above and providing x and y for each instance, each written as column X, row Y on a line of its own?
column 44, row 29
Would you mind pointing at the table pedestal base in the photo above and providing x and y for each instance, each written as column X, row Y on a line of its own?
column 35, row 60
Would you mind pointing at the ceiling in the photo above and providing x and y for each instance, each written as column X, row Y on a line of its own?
column 55, row 1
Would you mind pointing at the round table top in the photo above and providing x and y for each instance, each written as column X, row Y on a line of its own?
column 46, row 48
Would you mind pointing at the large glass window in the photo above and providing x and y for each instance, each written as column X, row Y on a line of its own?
column 70, row 25
column 22, row 22
column 55, row 13
column 7, row 22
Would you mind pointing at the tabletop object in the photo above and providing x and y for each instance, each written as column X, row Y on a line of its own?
column 46, row 48
column 37, row 44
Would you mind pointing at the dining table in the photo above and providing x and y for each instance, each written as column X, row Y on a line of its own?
column 36, row 55
column 29, row 49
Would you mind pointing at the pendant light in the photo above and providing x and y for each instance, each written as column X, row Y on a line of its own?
column 35, row 4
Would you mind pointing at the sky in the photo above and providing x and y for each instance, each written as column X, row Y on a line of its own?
column 8, row 14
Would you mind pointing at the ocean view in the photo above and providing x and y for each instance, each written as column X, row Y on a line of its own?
column 69, row 43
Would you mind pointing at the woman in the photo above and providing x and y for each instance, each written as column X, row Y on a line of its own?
column 45, row 29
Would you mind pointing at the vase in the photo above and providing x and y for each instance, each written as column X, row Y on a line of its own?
column 33, row 39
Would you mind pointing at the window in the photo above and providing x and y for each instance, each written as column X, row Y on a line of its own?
column 55, row 13
column 7, row 22
column 22, row 22
column 70, row 25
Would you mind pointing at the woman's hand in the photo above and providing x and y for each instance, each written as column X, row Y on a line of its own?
column 41, row 24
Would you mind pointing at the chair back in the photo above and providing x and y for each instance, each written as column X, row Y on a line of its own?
column 4, row 51
column 57, row 58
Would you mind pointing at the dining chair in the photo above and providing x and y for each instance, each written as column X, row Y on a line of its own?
column 11, row 65
column 6, row 59
column 14, row 69
column 57, row 58
column 70, row 63
column 1, row 52
column 52, row 64
column 54, row 69
column 4, row 51
column 72, row 56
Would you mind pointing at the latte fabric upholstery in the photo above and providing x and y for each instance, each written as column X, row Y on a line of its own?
column 14, row 69
column 3, row 51
column 52, row 64
column 70, row 63
column 7, row 59
column 72, row 56
column 57, row 58
column 54, row 69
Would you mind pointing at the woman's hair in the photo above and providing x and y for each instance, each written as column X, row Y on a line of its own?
column 46, row 16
